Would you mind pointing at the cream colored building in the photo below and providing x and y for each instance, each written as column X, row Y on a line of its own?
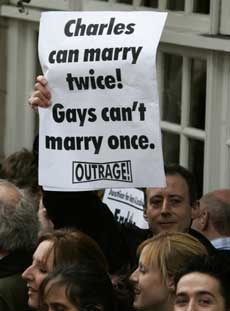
column 193, row 65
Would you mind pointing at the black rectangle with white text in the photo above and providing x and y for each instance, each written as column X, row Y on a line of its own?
column 91, row 171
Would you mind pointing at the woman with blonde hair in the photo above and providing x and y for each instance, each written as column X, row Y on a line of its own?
column 160, row 258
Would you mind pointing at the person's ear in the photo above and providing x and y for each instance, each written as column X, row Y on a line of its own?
column 204, row 219
column 196, row 209
column 170, row 283
column 145, row 215
column 145, row 205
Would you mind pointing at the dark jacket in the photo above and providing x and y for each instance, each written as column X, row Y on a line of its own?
column 210, row 248
column 13, row 290
column 85, row 211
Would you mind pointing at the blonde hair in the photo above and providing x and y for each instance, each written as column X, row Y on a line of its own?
column 169, row 251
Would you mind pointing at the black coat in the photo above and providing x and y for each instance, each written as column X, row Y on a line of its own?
column 13, row 290
column 85, row 211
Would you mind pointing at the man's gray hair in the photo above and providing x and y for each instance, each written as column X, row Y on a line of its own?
column 19, row 223
column 218, row 205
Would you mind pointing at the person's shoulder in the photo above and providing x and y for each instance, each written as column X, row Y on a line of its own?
column 12, row 280
column 132, row 230
column 210, row 248
column 13, row 293
column 224, row 253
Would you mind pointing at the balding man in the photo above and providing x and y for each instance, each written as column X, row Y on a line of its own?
column 213, row 220
column 18, row 235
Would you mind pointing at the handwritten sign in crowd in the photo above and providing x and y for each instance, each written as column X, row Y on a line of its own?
column 102, row 129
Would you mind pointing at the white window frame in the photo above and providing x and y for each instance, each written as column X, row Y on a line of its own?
column 225, row 21
column 21, row 47
column 183, row 130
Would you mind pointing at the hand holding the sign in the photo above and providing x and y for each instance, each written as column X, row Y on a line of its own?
column 41, row 97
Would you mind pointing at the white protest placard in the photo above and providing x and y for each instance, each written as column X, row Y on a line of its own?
column 102, row 130
column 127, row 205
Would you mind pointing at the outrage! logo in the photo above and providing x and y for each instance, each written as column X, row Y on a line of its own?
column 90, row 171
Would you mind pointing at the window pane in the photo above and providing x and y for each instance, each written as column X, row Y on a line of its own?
column 196, row 162
column 201, row 6
column 125, row 1
column 171, row 108
column 175, row 5
column 150, row 3
column 198, row 94
column 171, row 146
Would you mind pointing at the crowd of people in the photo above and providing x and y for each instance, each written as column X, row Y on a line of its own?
column 65, row 251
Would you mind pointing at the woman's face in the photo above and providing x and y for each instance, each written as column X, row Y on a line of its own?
column 56, row 299
column 42, row 264
column 150, row 290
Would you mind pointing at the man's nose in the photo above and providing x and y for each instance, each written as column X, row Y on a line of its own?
column 191, row 306
column 166, row 208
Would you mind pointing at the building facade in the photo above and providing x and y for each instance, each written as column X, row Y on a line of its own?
column 193, row 65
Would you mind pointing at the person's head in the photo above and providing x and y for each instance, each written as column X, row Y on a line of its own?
column 214, row 214
column 19, row 224
column 83, row 287
column 58, row 248
column 21, row 169
column 203, row 284
column 171, row 208
column 159, row 259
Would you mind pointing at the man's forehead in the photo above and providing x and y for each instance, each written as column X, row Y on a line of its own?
column 175, row 184
column 222, row 195
column 198, row 282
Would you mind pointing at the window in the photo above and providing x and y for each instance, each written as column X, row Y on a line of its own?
column 198, row 94
column 196, row 162
column 175, row 5
column 172, row 88
column 183, row 106
column 201, row 6
column 150, row 3
column 125, row 1
column 171, row 147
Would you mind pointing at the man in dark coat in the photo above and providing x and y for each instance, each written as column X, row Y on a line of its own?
column 18, row 235
column 169, row 209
